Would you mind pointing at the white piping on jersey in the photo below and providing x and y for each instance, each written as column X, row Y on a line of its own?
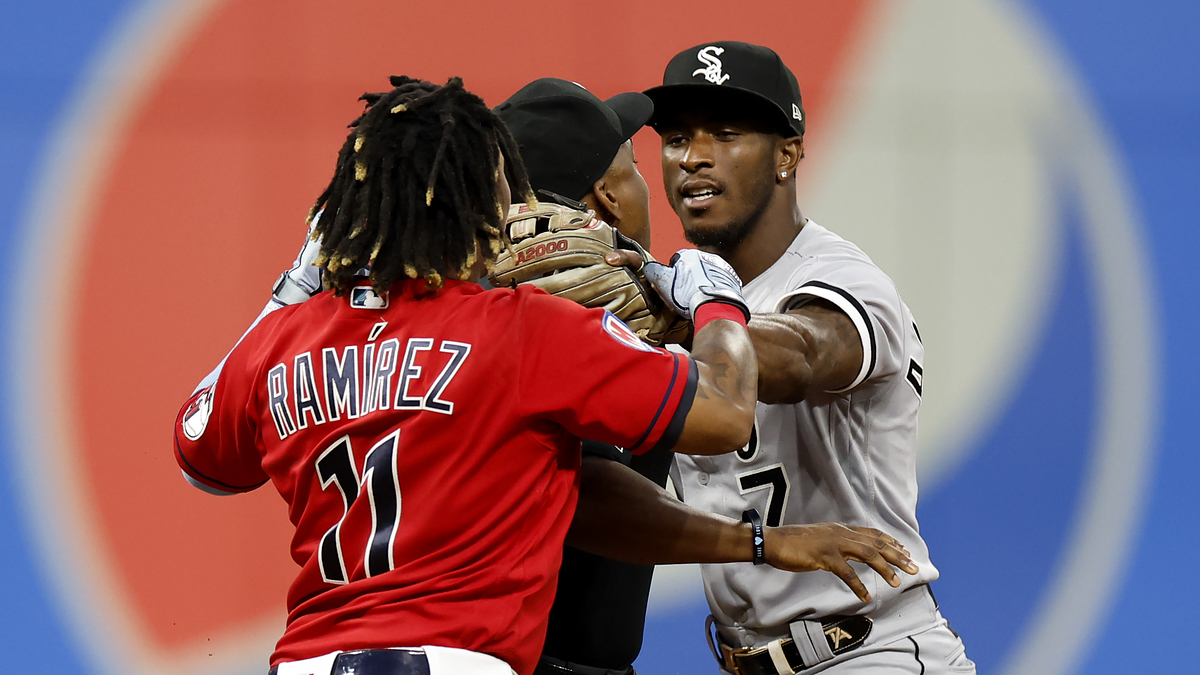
column 201, row 486
column 856, row 317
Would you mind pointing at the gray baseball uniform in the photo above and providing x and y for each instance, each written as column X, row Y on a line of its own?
column 847, row 455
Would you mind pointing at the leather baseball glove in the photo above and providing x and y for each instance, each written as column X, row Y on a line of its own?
column 561, row 249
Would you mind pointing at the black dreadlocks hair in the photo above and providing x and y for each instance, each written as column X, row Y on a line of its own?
column 415, row 186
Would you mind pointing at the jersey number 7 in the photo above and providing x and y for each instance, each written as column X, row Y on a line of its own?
column 335, row 466
column 774, row 480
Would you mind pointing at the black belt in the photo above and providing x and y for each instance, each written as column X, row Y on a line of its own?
column 842, row 633
column 408, row 661
column 548, row 665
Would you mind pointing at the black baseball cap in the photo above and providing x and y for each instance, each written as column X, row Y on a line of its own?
column 731, row 69
column 567, row 136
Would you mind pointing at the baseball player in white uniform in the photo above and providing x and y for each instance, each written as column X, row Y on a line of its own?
column 840, row 362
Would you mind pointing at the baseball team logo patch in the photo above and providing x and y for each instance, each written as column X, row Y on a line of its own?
column 712, row 65
column 196, row 418
column 622, row 333
column 365, row 297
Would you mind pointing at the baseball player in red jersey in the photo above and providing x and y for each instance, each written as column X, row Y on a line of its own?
column 419, row 428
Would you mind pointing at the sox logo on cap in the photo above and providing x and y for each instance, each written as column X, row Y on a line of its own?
column 712, row 70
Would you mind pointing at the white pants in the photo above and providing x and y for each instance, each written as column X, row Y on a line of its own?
column 909, row 636
column 442, row 661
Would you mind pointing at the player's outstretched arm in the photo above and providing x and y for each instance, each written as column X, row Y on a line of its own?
column 704, row 289
column 623, row 516
column 811, row 349
column 722, row 414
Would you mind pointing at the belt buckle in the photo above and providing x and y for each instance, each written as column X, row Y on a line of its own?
column 731, row 659
column 729, row 653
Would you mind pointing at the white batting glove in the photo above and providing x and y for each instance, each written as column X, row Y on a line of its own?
column 304, row 279
column 694, row 278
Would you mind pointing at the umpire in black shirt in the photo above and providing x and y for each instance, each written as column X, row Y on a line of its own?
column 575, row 145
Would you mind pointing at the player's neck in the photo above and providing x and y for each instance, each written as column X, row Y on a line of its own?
column 768, row 239
column 479, row 269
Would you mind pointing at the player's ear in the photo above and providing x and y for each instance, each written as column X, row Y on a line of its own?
column 602, row 200
column 788, row 153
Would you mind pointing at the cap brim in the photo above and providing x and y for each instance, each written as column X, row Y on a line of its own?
column 668, row 98
column 634, row 109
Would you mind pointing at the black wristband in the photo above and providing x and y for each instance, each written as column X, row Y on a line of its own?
column 751, row 516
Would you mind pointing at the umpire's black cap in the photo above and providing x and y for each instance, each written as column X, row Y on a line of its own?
column 731, row 69
column 567, row 136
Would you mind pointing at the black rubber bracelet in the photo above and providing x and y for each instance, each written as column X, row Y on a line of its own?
column 760, row 553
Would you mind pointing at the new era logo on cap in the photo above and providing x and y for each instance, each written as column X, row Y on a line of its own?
column 796, row 114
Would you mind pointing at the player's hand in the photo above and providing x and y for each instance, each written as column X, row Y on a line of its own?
column 304, row 279
column 693, row 278
column 830, row 547
column 626, row 258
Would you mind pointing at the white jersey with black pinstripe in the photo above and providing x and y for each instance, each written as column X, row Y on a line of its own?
column 847, row 455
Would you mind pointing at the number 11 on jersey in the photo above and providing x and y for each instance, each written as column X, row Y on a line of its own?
column 335, row 466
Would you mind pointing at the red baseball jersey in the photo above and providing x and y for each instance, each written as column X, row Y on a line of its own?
column 427, row 445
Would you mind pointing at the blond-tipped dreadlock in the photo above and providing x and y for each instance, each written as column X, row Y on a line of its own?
column 415, row 187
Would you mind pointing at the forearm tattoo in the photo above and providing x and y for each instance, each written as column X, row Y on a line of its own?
column 733, row 369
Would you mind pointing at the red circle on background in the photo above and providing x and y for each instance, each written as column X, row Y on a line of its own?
column 203, row 206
